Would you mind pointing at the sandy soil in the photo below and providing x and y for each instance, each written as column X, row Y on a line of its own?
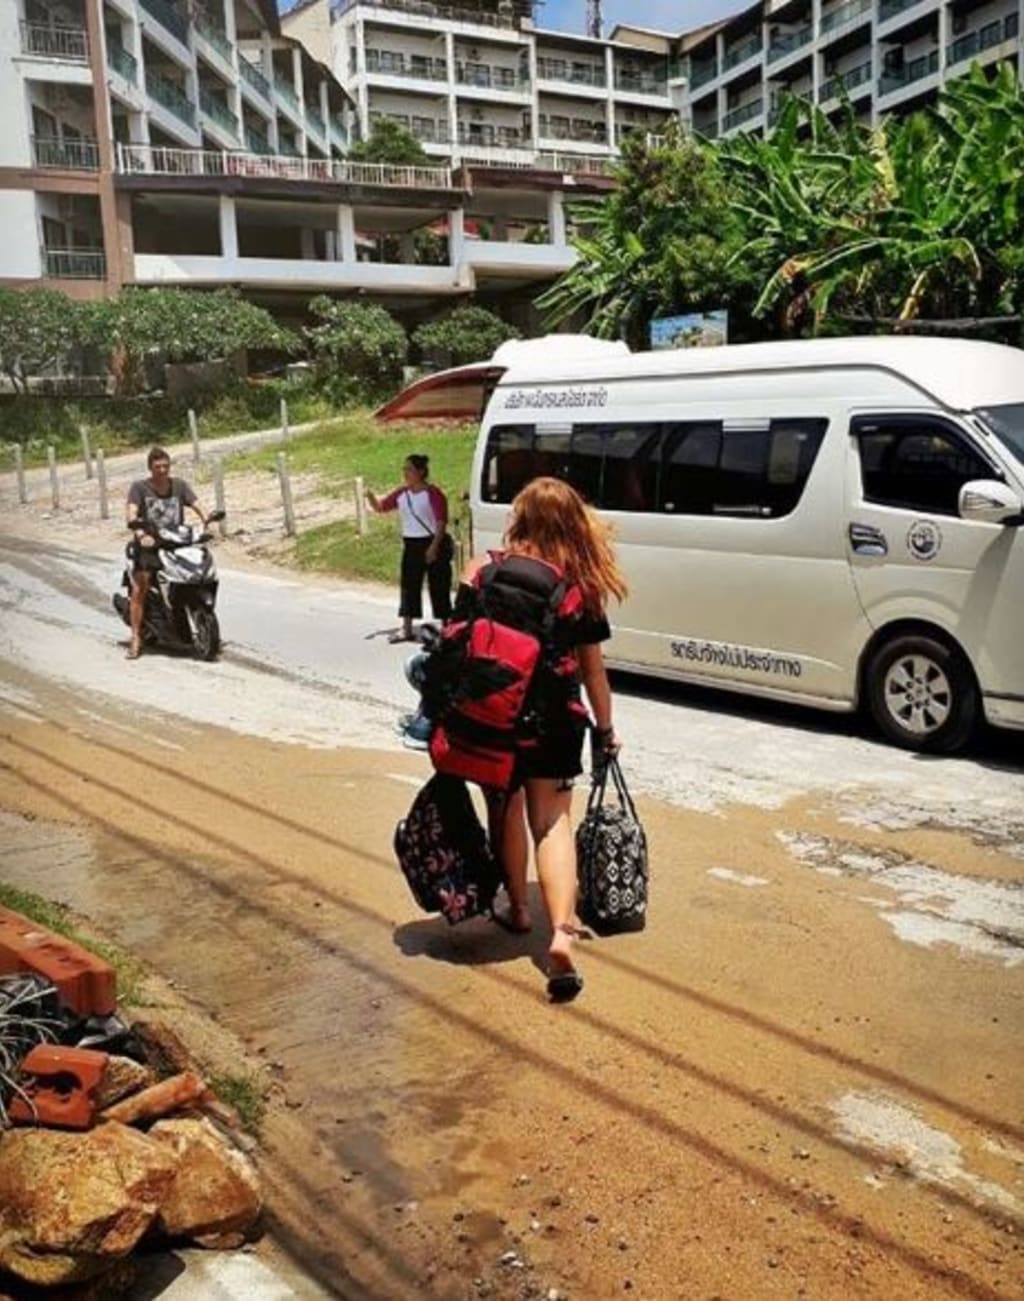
column 766, row 1094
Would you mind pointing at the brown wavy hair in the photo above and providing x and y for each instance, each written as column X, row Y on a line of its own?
column 551, row 521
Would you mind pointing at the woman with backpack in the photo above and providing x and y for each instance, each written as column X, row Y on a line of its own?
column 426, row 544
column 551, row 533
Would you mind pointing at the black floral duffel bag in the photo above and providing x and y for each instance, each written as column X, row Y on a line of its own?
column 611, row 857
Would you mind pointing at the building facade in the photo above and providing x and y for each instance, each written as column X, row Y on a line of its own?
column 883, row 56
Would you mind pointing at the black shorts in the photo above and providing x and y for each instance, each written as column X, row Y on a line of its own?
column 144, row 560
column 556, row 756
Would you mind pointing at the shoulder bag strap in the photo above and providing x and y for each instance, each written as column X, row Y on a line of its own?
column 412, row 510
column 619, row 780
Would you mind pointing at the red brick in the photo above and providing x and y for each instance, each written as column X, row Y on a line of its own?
column 59, row 1087
column 86, row 983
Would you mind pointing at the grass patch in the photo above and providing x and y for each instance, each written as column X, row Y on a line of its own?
column 54, row 917
column 244, row 1092
column 357, row 445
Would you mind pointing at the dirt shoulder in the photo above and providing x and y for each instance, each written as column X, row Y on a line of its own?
column 766, row 1094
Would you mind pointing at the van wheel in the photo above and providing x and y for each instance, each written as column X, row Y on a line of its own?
column 922, row 694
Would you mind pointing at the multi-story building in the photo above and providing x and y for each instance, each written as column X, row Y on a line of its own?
column 484, row 85
column 103, row 101
column 884, row 56
column 145, row 145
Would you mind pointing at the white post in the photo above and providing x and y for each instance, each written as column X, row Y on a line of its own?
column 51, row 456
column 556, row 219
column 218, row 492
column 361, row 505
column 101, row 478
column 456, row 236
column 19, row 470
column 286, row 494
column 228, row 228
column 345, row 243
column 86, row 451
column 284, row 420
column 193, row 429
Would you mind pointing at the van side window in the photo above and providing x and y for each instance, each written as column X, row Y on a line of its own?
column 630, row 477
column 915, row 463
column 508, row 465
column 711, row 469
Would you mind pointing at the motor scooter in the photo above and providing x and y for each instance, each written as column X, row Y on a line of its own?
column 180, row 610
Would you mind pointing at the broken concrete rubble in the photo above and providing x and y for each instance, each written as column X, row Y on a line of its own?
column 158, row 1100
column 71, row 1204
column 215, row 1195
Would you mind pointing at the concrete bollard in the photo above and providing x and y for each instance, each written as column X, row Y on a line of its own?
column 286, row 494
column 86, row 451
column 193, row 429
column 101, row 479
column 19, row 470
column 360, row 505
column 51, row 457
column 218, row 492
column 285, row 432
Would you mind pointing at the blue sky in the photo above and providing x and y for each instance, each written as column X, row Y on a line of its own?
column 663, row 15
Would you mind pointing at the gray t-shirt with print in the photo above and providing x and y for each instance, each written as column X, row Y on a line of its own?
column 165, row 511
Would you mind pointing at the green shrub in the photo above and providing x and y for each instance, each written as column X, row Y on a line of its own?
column 358, row 350
column 390, row 142
column 465, row 335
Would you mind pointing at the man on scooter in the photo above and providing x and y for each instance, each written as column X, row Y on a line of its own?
column 159, row 502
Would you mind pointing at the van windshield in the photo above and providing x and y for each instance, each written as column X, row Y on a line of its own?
column 1007, row 423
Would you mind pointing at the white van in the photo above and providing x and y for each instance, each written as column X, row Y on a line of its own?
column 829, row 522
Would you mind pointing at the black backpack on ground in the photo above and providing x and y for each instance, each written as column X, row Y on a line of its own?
column 444, row 854
column 611, row 858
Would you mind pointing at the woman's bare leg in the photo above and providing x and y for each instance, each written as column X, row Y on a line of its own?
column 548, row 811
column 514, row 855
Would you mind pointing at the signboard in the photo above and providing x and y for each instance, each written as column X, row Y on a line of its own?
column 697, row 330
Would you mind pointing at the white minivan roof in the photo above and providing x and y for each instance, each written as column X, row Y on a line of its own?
column 961, row 374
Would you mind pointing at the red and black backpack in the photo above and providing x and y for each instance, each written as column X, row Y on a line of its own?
column 501, row 675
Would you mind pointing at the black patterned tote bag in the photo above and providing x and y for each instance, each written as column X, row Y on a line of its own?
column 611, row 857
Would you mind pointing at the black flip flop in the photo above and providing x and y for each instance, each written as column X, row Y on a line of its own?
column 565, row 986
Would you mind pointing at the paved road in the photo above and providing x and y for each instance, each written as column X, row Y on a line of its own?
column 803, row 1078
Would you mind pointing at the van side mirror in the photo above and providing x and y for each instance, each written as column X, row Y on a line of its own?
column 989, row 501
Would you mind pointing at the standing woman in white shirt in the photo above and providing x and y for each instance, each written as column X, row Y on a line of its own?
column 426, row 544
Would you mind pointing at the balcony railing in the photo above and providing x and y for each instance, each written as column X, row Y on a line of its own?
column 338, row 129
column 71, row 155
column 172, row 97
column 254, row 78
column 484, row 133
column 217, row 111
column 123, row 63
column 890, row 8
column 214, row 35
column 708, row 129
column 74, row 263
column 287, row 96
column 393, row 63
column 487, row 76
column 315, row 119
column 909, row 73
column 169, row 17
column 52, row 42
column 843, row 14
column 425, row 9
column 985, row 38
column 641, row 83
column 740, row 53
column 850, row 80
column 585, row 132
column 577, row 75
column 158, row 160
column 257, row 140
column 783, row 45
column 702, row 73
column 744, row 113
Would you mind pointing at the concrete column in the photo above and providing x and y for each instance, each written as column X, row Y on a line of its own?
column 534, row 96
column 456, row 236
column 453, row 116
column 556, row 219
column 943, row 39
column 407, row 247
column 816, row 59
column 267, row 56
column 345, row 234
column 499, row 228
column 609, row 76
column 306, row 245
column 228, row 227
column 297, row 79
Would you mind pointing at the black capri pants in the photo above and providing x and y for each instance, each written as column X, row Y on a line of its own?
column 439, row 580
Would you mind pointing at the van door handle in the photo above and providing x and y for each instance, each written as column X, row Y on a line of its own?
column 866, row 540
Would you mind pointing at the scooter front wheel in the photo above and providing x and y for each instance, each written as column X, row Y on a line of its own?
column 205, row 632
